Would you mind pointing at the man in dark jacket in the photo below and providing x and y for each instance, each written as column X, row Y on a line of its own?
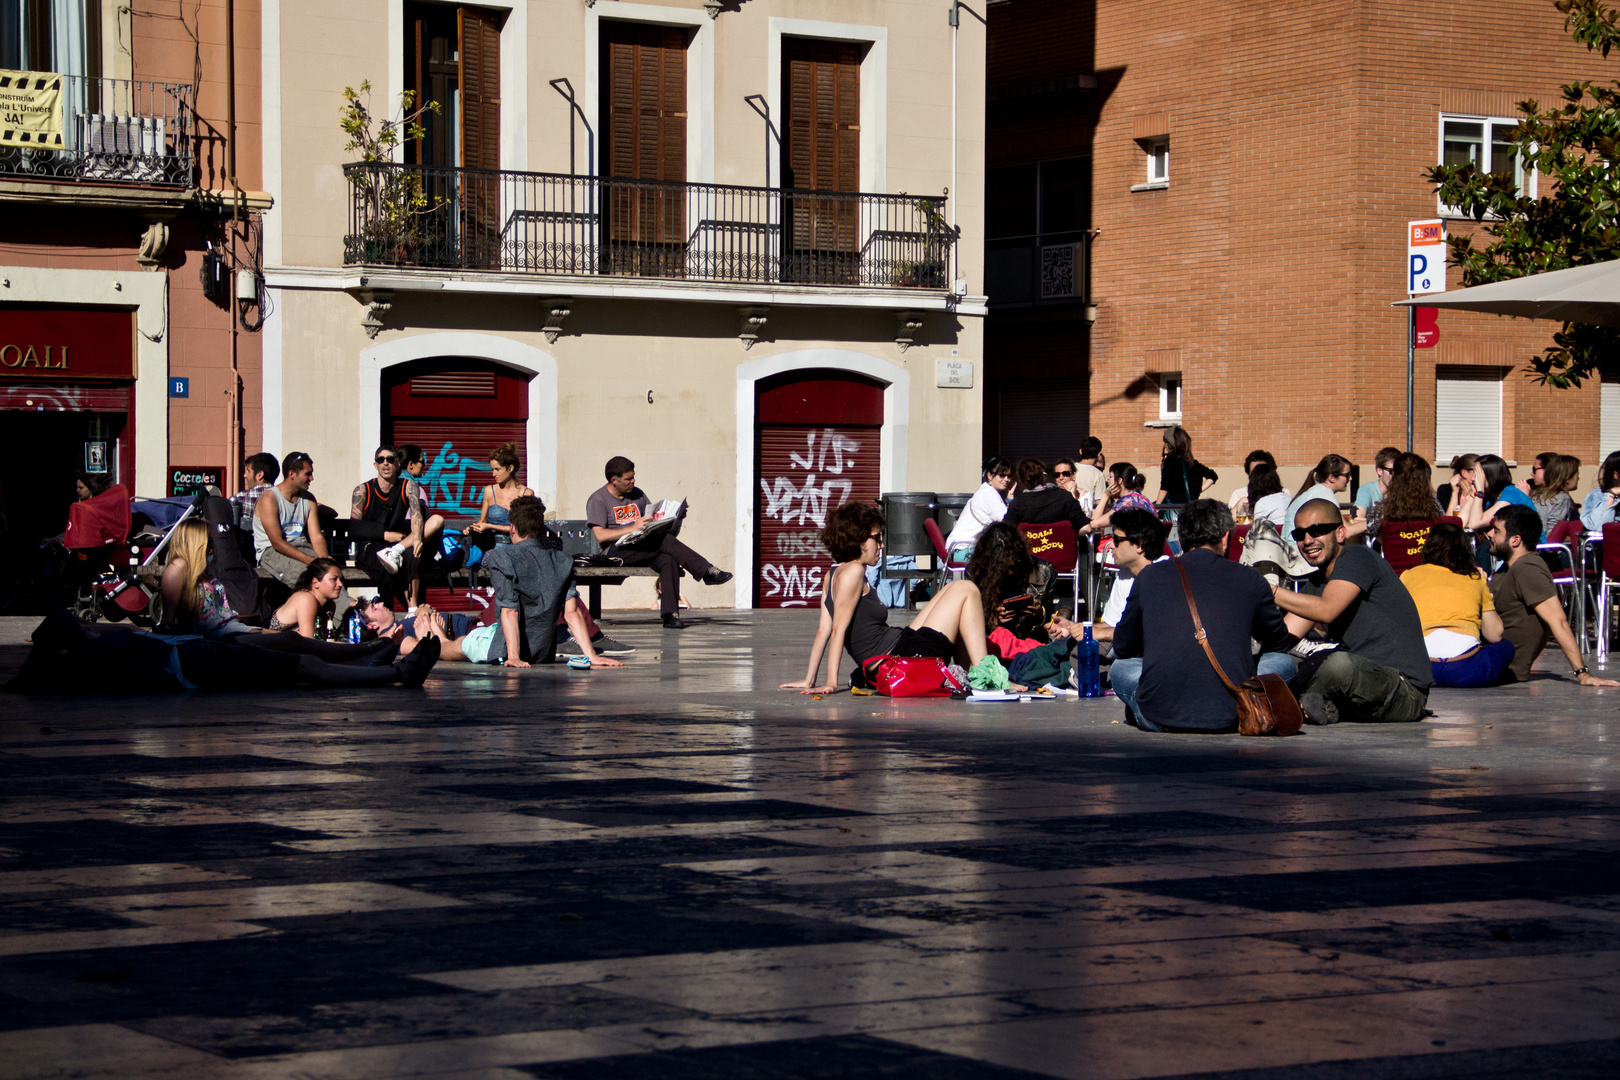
column 1161, row 672
column 1039, row 502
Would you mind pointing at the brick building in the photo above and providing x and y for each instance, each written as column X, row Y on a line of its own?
column 1251, row 171
column 114, row 217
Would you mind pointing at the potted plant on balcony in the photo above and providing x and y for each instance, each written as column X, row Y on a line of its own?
column 936, row 235
column 390, row 204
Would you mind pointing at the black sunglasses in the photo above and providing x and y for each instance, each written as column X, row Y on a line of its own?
column 380, row 458
column 1319, row 529
column 1062, row 472
column 1118, row 539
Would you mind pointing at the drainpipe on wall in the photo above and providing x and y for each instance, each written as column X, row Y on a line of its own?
column 233, row 423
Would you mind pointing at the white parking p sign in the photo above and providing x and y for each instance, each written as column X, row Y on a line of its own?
column 1425, row 257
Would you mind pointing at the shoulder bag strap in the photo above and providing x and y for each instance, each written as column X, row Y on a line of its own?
column 1198, row 625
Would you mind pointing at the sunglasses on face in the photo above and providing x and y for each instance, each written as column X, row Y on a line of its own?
column 382, row 458
column 1061, row 472
column 1118, row 539
column 1319, row 529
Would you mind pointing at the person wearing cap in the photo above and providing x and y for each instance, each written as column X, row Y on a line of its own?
column 988, row 505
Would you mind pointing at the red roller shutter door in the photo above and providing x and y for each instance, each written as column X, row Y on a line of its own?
column 818, row 443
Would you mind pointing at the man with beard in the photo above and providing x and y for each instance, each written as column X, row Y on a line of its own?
column 1526, row 599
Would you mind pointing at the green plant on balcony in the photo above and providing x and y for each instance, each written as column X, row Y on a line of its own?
column 937, row 236
column 392, row 205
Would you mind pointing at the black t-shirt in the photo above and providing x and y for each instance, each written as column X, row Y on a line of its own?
column 1382, row 624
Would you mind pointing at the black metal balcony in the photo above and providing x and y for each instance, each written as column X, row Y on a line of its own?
column 120, row 131
column 552, row 223
column 1034, row 271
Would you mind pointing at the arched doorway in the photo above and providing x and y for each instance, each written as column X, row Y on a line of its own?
column 817, row 444
column 458, row 410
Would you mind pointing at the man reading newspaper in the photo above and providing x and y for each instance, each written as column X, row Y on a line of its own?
column 626, row 529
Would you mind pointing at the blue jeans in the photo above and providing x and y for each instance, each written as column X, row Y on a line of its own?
column 1481, row 669
column 1126, row 676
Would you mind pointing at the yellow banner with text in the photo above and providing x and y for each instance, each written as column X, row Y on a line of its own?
column 31, row 109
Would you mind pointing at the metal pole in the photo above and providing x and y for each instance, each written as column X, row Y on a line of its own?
column 1411, row 342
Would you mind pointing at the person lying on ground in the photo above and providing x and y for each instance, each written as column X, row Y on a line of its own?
column 314, row 596
column 1527, row 600
column 951, row 626
column 1461, row 628
column 461, row 636
column 64, row 649
column 1379, row 671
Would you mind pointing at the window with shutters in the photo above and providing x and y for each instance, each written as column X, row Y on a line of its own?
column 1467, row 411
column 453, row 59
column 821, row 158
column 644, row 114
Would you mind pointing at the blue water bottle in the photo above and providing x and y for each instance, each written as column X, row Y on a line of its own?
column 1086, row 657
column 355, row 626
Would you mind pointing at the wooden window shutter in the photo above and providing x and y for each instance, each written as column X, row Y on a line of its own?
column 479, row 37
column 823, row 114
column 646, row 94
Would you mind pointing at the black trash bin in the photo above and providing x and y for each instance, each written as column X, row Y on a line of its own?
column 947, row 508
column 906, row 511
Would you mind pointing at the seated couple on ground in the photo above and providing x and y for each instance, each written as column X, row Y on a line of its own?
column 953, row 626
column 533, row 579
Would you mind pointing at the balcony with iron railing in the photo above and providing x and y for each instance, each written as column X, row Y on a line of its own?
column 1050, row 269
column 113, row 131
column 411, row 216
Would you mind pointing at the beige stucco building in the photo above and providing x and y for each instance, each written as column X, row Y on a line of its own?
column 646, row 273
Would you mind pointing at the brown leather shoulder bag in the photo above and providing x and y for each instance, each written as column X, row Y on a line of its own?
column 1265, row 705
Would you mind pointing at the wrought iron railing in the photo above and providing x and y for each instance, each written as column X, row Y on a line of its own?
column 552, row 223
column 128, row 131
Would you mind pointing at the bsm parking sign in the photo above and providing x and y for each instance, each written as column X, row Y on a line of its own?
column 1425, row 257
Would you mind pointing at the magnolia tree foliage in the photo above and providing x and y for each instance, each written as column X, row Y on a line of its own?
column 1573, row 146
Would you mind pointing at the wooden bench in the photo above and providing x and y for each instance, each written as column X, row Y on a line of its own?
column 578, row 539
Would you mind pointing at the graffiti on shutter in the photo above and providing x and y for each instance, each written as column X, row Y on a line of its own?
column 806, row 471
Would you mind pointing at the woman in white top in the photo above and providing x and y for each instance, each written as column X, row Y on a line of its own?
column 1239, row 502
column 1266, row 497
column 988, row 505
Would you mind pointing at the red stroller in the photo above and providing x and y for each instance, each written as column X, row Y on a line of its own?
column 104, row 561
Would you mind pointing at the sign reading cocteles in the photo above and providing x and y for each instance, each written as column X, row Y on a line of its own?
column 66, row 344
column 31, row 109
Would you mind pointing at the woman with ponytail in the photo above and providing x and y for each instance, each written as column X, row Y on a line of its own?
column 1125, row 486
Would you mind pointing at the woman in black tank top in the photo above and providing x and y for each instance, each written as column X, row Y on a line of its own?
column 951, row 626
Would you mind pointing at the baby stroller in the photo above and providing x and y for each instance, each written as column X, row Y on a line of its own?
column 110, row 550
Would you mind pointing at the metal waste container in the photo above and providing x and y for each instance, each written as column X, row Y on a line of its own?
column 906, row 511
column 947, row 508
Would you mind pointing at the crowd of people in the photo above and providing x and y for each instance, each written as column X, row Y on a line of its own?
column 1377, row 598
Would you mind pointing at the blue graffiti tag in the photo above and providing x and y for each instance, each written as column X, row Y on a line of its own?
column 446, row 482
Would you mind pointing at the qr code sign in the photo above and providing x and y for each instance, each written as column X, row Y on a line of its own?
column 1057, row 272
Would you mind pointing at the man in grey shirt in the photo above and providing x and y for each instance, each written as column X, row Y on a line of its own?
column 616, row 510
column 1380, row 671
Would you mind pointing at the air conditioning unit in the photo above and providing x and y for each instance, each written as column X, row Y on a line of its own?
column 123, row 147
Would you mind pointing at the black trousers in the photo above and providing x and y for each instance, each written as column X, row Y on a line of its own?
column 231, row 567
column 669, row 558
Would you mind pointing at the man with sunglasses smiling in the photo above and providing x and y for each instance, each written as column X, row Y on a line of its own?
column 1380, row 671
column 387, row 518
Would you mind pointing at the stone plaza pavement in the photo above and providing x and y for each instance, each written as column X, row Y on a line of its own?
column 676, row 871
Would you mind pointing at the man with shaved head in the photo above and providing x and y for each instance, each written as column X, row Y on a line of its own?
column 1380, row 670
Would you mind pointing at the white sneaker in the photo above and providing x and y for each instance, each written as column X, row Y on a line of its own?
column 389, row 557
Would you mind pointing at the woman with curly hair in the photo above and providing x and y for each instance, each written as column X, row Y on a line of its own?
column 1409, row 498
column 1002, row 567
column 1461, row 628
column 951, row 626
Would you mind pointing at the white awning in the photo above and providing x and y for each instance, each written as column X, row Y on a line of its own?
column 1583, row 294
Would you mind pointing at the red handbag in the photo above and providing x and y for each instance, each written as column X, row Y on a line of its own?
column 910, row 676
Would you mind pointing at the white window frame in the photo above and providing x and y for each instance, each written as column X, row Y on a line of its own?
column 1170, row 393
column 1525, row 176
column 1157, row 151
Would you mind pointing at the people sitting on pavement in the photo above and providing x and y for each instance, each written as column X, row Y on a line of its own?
column 454, row 628
column 1241, row 506
column 1138, row 542
column 1014, row 583
column 287, row 533
column 1489, row 490
column 387, row 518
column 1160, row 670
column 1461, row 628
column 1379, row 670
column 1329, row 480
column 1551, row 496
column 1369, row 495
column 128, row 660
column 1182, row 478
column 988, row 505
column 494, row 524
column 1409, row 498
column 1527, row 600
column 193, row 599
column 1266, row 498
column 1090, row 481
column 1125, row 486
column 953, row 625
column 259, row 472
column 533, row 579
column 1598, row 508
column 1449, row 495
column 313, row 599
column 615, row 512
column 1038, row 501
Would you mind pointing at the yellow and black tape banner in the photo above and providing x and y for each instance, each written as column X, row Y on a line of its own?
column 31, row 109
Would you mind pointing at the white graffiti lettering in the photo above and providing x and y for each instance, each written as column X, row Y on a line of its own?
column 795, row 586
column 829, row 440
column 799, row 545
column 797, row 506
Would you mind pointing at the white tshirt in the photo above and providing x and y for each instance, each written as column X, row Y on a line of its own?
column 983, row 510
column 1274, row 508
